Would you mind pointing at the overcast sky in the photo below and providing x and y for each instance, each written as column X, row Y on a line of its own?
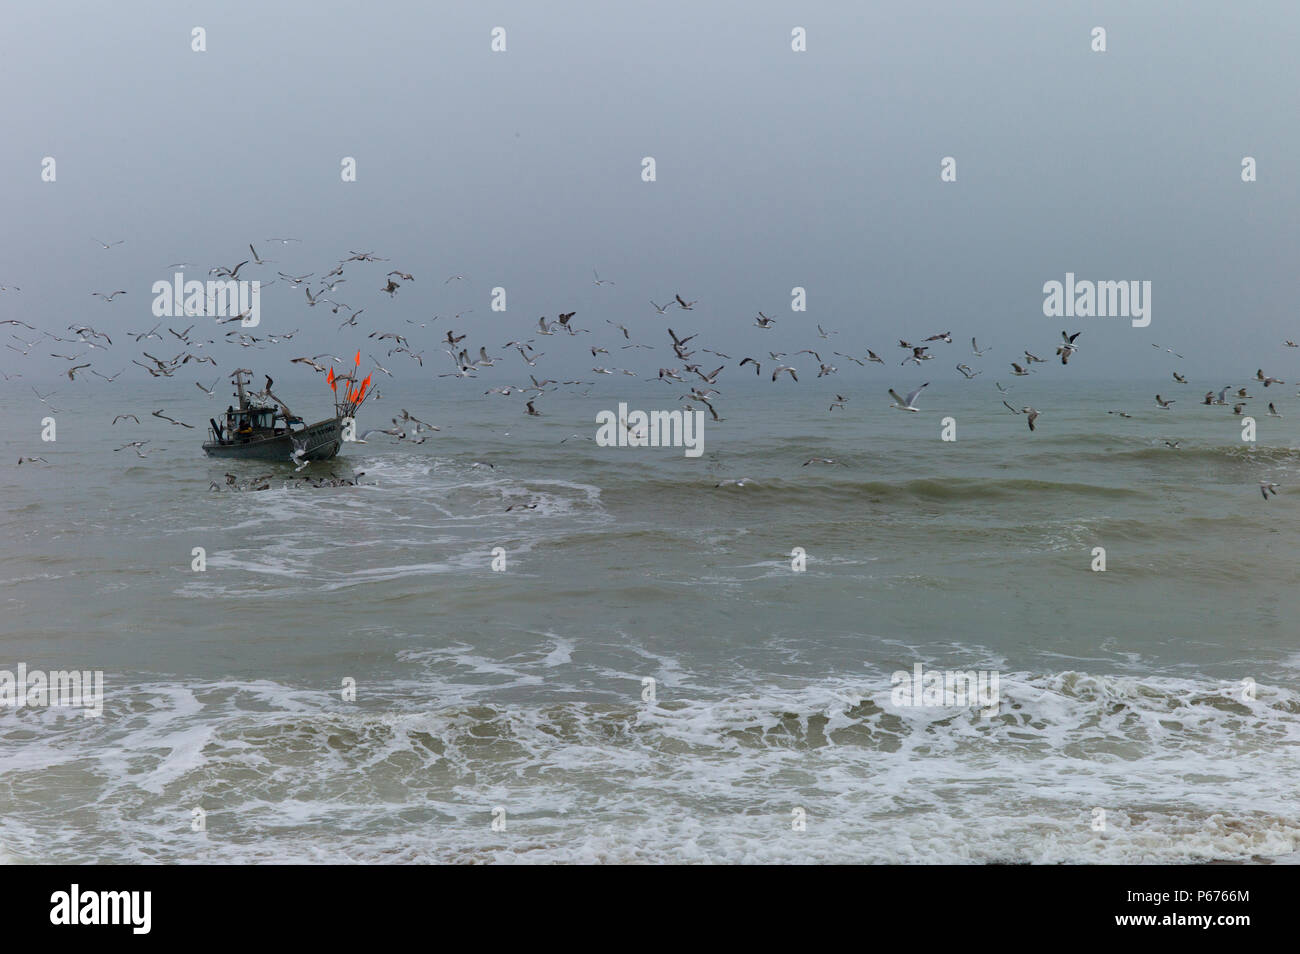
column 522, row 169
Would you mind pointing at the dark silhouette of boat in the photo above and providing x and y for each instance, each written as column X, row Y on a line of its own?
column 263, row 428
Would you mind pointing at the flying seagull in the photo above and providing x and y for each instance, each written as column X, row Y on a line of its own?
column 908, row 404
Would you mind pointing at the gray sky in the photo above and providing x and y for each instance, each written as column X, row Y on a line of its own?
column 523, row 169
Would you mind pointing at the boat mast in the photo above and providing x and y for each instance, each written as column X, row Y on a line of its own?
column 238, row 375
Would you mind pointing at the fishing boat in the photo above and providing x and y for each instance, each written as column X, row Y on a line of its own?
column 261, row 426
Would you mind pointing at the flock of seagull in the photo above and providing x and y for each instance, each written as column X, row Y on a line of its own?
column 687, row 370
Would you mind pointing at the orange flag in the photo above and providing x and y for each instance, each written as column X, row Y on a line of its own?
column 329, row 379
column 358, row 357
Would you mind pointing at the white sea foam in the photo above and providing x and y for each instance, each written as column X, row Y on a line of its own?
column 290, row 774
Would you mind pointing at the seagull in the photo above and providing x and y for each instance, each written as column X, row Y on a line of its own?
column 532, row 411
column 1260, row 376
column 228, row 272
column 299, row 455
column 1031, row 358
column 735, row 483
column 109, row 244
column 823, row 333
column 1018, row 370
column 964, row 369
column 1033, row 415
column 872, row 356
column 819, row 460
column 410, row 418
column 839, row 401
column 146, row 335
column 1179, row 378
column 208, row 390
column 259, row 261
column 763, row 321
column 1173, row 444
column 1266, row 486
column 909, row 403
column 1067, row 348
column 599, row 281
column 159, row 413
column 660, row 308
column 976, row 349
column 1272, row 411
column 785, row 367
column 1164, row 405
column 918, row 355
column 391, row 432
column 33, row 460
column 108, row 297
column 1120, row 413
column 688, row 305
column 123, row 417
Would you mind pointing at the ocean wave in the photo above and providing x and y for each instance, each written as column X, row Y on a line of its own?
column 294, row 774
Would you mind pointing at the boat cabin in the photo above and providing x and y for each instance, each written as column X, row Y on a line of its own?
column 253, row 422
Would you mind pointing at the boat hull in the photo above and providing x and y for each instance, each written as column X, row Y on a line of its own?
column 324, row 438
